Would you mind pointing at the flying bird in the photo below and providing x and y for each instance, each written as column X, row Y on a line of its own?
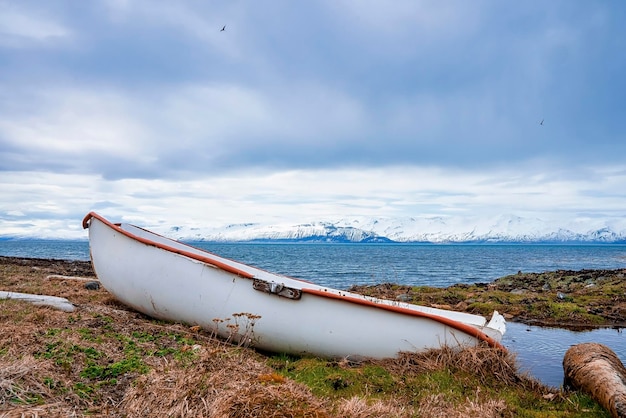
column 541, row 123
column 223, row 28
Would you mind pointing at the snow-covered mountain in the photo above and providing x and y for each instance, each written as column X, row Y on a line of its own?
column 426, row 230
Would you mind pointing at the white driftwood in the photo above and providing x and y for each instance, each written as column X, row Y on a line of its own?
column 55, row 302
column 60, row 277
column 594, row 368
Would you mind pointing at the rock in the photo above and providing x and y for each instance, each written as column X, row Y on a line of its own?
column 461, row 306
column 595, row 369
column 92, row 285
column 405, row 297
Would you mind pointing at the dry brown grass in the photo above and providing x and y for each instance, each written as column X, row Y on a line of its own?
column 17, row 380
column 437, row 406
column 219, row 380
column 357, row 407
column 483, row 362
column 20, row 379
column 224, row 382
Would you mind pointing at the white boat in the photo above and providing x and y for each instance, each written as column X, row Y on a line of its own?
column 170, row 280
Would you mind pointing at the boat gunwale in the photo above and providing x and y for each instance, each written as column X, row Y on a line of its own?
column 371, row 302
column 147, row 241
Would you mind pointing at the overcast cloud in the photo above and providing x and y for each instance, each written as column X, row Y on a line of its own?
column 146, row 111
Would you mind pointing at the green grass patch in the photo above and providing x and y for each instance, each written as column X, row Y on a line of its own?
column 133, row 363
column 330, row 379
column 475, row 377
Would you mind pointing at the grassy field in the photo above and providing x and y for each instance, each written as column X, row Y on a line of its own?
column 104, row 359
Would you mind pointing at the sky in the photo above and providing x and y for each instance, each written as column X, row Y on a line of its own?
column 147, row 112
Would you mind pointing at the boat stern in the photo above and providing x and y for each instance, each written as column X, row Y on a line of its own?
column 497, row 323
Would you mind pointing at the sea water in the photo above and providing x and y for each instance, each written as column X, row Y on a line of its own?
column 344, row 265
column 539, row 350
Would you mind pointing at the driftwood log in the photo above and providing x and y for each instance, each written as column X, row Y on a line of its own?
column 595, row 369
column 40, row 300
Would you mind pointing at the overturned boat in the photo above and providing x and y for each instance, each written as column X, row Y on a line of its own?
column 170, row 280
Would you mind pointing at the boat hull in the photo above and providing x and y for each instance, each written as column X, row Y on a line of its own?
column 169, row 280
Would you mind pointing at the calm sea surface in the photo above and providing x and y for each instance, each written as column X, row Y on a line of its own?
column 342, row 265
column 539, row 350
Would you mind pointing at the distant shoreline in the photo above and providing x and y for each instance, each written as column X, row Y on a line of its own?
column 570, row 299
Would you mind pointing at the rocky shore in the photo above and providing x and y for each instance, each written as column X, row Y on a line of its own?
column 563, row 298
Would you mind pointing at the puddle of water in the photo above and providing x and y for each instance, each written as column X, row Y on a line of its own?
column 540, row 351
